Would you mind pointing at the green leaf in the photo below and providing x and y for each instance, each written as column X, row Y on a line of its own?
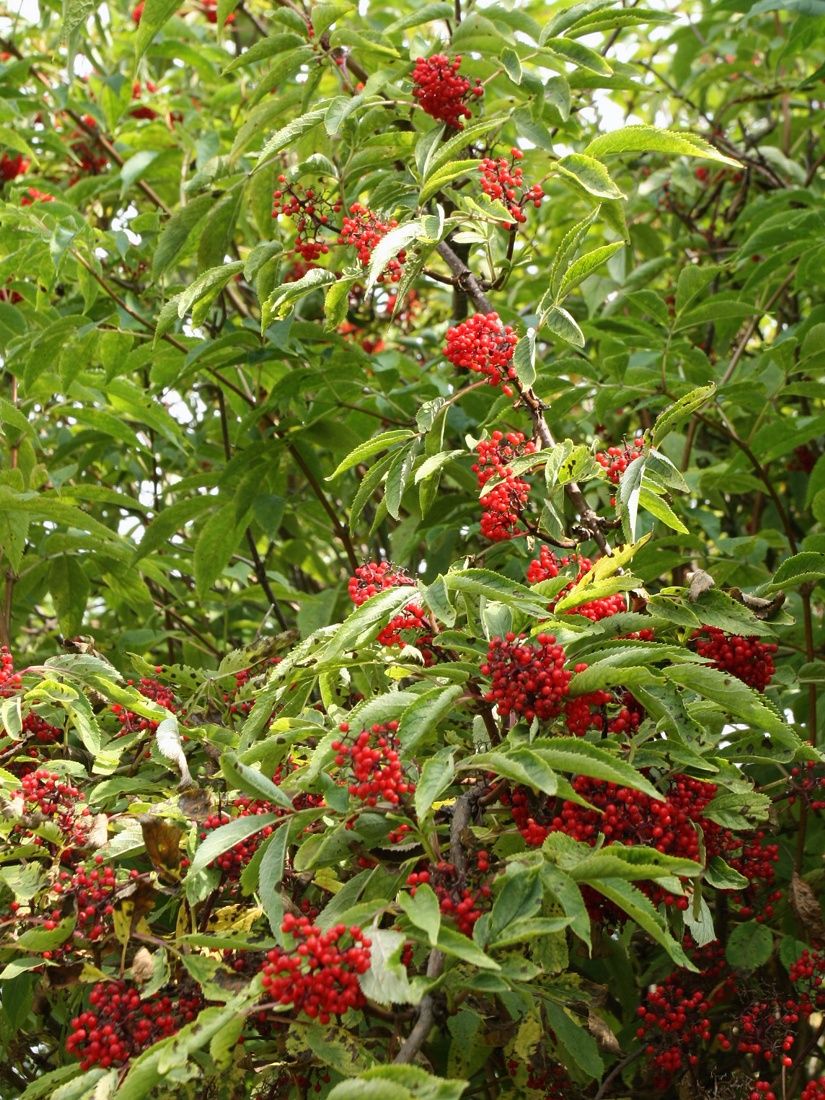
column 735, row 698
column 579, row 1043
column 423, row 910
column 369, row 448
column 799, row 569
column 590, row 174
column 217, row 541
column 39, row 939
column 367, row 619
column 270, row 875
column 749, row 945
column 512, row 64
column 443, row 174
column 684, row 408
column 398, row 239
column 223, row 838
column 524, row 358
column 288, row 134
column 424, row 715
column 178, row 230
column 69, row 587
column 426, row 13
column 560, row 322
column 585, row 265
column 398, row 1083
column 155, row 14
column 43, row 1087
column 639, row 908
column 580, row 55
column 253, row 782
column 460, row 947
column 437, row 774
column 386, row 981
column 572, row 754
column 650, row 139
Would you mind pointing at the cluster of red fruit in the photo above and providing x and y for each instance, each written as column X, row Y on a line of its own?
column 464, row 903
column 807, row 784
column 208, row 7
column 484, row 345
column 504, row 180
column 549, row 1078
column 363, row 229
column 442, row 91
column 319, row 976
column 528, row 678
column 143, row 111
column 130, row 722
column 31, row 195
column 118, row 1025
column 613, row 711
column 93, row 890
column 674, row 1018
column 547, row 566
column 615, row 460
column 12, row 166
column 51, row 797
column 631, row 817
column 375, row 764
column 748, row 659
column 373, row 577
column 310, row 213
column 504, row 504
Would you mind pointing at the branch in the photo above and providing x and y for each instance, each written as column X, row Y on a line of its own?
column 426, row 1015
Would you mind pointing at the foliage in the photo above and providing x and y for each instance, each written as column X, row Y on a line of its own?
column 411, row 510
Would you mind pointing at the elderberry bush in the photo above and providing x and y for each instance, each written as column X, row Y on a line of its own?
column 412, row 521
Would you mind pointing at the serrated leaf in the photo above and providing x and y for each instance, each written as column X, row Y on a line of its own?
column 650, row 139
column 590, row 174
column 423, row 910
column 681, row 411
column 369, row 448
column 223, row 838
column 579, row 757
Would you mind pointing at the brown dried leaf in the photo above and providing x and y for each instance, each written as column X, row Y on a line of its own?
column 196, row 803
column 162, row 842
column 762, row 608
column 806, row 906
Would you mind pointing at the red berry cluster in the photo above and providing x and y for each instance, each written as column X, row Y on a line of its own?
column 118, row 1025
column 808, row 974
column 319, row 977
column 549, row 1078
column 93, row 890
column 12, row 166
column 814, row 1090
column 504, row 180
column 484, row 345
column 32, row 195
column 674, row 1019
column 442, row 91
column 46, row 794
column 606, row 711
column 464, row 902
column 10, row 681
column 754, row 858
column 748, row 659
column 615, row 460
column 547, row 566
column 528, row 678
column 310, row 213
column 130, row 722
column 504, row 503
column 363, row 229
column 373, row 577
column 375, row 764
column 808, row 784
